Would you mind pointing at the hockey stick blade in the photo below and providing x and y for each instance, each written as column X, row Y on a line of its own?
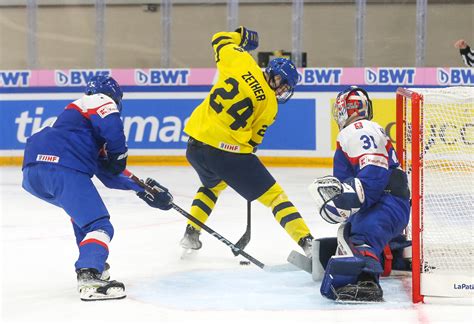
column 206, row 228
column 245, row 239
column 300, row 261
column 242, row 243
column 286, row 267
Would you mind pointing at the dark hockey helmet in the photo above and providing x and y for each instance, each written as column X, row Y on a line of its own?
column 352, row 102
column 288, row 78
column 107, row 86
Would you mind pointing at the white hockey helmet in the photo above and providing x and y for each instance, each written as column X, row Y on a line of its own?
column 350, row 101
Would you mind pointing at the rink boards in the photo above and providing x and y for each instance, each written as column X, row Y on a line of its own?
column 157, row 104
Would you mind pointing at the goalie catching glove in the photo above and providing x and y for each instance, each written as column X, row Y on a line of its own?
column 337, row 201
column 158, row 197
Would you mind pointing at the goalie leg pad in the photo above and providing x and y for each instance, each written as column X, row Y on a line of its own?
column 354, row 264
column 340, row 271
column 366, row 252
column 345, row 279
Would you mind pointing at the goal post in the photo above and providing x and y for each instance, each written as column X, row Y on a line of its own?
column 435, row 146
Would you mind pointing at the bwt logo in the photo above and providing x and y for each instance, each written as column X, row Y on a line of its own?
column 76, row 77
column 322, row 76
column 388, row 76
column 455, row 76
column 15, row 78
column 162, row 77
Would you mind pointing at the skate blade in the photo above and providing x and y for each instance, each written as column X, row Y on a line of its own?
column 112, row 294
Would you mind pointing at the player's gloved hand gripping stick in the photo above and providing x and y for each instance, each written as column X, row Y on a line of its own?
column 156, row 190
column 160, row 198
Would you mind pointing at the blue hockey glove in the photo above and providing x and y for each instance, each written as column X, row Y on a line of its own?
column 114, row 163
column 160, row 198
column 249, row 38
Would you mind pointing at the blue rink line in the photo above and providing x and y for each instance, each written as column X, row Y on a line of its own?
column 252, row 289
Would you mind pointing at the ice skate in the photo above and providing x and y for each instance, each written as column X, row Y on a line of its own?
column 105, row 275
column 306, row 244
column 91, row 287
column 190, row 242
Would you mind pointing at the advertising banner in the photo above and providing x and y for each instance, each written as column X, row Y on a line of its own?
column 194, row 77
column 157, row 103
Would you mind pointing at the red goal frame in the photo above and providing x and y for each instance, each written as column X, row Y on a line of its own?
column 403, row 95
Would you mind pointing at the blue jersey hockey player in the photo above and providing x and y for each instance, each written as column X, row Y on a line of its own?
column 368, row 193
column 87, row 139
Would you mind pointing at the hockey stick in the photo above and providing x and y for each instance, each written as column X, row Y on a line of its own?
column 245, row 239
column 198, row 222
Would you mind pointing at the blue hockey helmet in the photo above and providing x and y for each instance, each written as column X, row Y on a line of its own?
column 352, row 102
column 288, row 74
column 105, row 85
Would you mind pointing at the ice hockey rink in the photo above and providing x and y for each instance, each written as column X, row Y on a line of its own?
column 39, row 251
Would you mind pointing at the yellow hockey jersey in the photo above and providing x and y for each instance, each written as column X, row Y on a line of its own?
column 240, row 106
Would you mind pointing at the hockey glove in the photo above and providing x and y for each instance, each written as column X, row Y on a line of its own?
column 159, row 198
column 249, row 38
column 346, row 204
column 323, row 190
column 337, row 201
column 114, row 163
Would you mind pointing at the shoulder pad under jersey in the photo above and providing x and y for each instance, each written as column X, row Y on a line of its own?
column 99, row 104
column 363, row 137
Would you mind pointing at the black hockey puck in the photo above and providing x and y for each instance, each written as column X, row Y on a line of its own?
column 244, row 262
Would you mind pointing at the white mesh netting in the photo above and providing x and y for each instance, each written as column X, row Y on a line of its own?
column 447, row 181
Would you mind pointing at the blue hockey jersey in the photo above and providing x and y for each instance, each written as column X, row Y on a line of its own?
column 77, row 136
column 364, row 151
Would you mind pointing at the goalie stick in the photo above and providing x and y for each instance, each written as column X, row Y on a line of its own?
column 245, row 239
column 209, row 230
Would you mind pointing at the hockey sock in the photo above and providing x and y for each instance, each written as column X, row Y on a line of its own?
column 204, row 202
column 94, row 248
column 93, row 251
column 285, row 212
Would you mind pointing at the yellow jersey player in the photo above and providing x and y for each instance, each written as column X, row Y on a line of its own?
column 225, row 129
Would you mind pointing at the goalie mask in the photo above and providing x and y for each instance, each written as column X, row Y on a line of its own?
column 352, row 103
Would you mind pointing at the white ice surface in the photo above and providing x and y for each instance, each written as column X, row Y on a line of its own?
column 38, row 253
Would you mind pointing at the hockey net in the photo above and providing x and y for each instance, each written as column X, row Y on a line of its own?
column 435, row 145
